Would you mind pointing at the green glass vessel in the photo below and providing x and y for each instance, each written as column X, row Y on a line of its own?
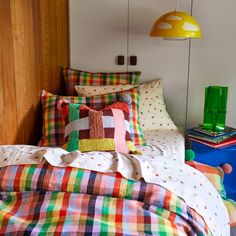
column 215, row 108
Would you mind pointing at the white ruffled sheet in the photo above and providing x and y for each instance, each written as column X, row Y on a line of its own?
column 184, row 181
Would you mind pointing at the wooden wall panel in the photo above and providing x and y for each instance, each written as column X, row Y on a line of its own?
column 39, row 46
column 54, row 34
column 8, row 124
column 25, row 63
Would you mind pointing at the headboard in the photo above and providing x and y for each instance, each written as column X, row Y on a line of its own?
column 34, row 45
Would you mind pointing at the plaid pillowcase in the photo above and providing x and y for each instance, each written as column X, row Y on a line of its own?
column 91, row 130
column 76, row 77
column 53, row 121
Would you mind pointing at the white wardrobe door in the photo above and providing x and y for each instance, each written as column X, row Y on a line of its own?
column 158, row 57
column 98, row 33
column 213, row 58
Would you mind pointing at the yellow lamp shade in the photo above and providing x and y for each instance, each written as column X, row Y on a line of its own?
column 176, row 25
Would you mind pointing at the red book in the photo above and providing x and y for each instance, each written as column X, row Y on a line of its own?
column 215, row 145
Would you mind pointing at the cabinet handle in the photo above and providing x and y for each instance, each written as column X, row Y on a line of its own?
column 133, row 60
column 120, row 60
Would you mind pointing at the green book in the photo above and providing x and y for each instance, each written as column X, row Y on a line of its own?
column 227, row 130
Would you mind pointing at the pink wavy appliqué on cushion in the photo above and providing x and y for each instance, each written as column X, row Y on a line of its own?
column 119, row 136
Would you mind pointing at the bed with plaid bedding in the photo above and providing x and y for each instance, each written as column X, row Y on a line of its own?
column 44, row 200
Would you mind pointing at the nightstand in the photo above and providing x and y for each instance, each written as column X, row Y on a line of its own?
column 216, row 157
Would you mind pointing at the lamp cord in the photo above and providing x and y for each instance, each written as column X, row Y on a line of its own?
column 176, row 5
column 128, row 26
column 188, row 76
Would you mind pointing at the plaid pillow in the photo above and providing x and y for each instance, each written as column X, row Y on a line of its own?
column 53, row 121
column 76, row 77
column 91, row 130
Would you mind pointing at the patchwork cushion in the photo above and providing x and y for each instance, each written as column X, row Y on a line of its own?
column 53, row 121
column 91, row 130
column 77, row 77
column 89, row 91
column 153, row 113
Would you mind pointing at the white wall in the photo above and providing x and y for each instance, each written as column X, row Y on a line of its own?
column 99, row 33
column 158, row 57
column 213, row 58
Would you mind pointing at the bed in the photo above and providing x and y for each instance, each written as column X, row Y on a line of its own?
column 125, row 180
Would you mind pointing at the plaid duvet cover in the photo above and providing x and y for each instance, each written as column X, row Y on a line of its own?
column 46, row 200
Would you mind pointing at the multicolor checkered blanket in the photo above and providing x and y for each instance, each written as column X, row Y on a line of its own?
column 45, row 200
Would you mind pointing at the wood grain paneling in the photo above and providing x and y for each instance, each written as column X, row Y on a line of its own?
column 34, row 45
column 54, row 34
column 8, row 118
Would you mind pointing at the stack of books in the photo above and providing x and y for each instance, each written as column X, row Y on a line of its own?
column 211, row 138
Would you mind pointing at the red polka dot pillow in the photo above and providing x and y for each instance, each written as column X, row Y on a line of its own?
column 88, row 129
column 153, row 113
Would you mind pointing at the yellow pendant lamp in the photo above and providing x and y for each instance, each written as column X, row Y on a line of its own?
column 176, row 25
